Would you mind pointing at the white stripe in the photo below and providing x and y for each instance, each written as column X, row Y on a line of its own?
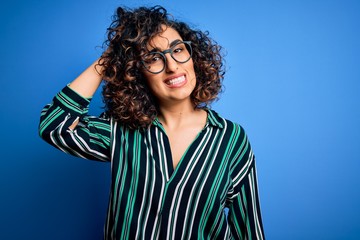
column 149, row 155
column 57, row 131
column 201, row 186
column 223, row 133
column 242, row 173
column 162, row 155
column 253, row 202
column 113, row 125
column 163, row 180
column 183, row 181
column 142, row 205
column 87, row 148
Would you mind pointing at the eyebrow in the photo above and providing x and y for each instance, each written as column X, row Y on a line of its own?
column 173, row 43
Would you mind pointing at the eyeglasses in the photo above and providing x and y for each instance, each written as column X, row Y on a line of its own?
column 155, row 62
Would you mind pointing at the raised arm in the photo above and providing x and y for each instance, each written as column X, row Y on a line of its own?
column 88, row 81
column 86, row 84
column 65, row 122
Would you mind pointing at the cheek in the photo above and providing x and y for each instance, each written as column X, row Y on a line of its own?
column 191, row 67
column 192, row 73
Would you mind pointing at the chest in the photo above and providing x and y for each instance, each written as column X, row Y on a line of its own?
column 178, row 143
column 171, row 155
column 145, row 181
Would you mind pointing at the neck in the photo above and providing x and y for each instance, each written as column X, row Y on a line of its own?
column 177, row 115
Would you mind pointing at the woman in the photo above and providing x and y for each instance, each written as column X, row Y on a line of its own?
column 176, row 164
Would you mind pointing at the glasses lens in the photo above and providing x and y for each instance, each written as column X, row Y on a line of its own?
column 154, row 62
column 181, row 52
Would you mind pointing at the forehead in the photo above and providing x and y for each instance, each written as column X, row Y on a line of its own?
column 163, row 40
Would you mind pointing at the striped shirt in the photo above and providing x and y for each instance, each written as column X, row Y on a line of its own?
column 150, row 199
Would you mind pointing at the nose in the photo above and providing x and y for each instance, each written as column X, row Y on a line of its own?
column 171, row 64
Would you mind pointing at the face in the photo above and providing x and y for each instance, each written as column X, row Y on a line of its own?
column 177, row 81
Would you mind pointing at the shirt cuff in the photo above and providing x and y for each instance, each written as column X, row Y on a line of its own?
column 72, row 101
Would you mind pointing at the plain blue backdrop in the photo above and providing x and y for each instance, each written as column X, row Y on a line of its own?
column 292, row 81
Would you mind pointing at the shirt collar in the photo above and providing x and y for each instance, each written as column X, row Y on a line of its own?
column 213, row 119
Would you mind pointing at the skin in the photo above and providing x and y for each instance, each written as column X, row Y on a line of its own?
column 181, row 121
column 86, row 84
column 166, row 94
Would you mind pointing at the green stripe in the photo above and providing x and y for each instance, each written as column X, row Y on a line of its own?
column 48, row 120
column 221, row 188
column 69, row 103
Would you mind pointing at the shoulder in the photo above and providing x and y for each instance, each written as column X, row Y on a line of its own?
column 122, row 129
column 235, row 139
column 232, row 132
column 216, row 119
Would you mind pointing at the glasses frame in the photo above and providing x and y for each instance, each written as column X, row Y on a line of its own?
column 170, row 50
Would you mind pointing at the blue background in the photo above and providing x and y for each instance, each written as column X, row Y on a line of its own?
column 293, row 82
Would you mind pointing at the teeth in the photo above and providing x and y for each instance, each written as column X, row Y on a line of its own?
column 176, row 80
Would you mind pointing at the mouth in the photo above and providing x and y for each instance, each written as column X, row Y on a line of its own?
column 176, row 82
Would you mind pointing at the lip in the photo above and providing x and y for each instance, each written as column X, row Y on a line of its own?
column 176, row 81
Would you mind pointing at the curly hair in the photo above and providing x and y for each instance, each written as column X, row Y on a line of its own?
column 126, row 95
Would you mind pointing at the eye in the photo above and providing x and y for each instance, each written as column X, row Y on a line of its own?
column 154, row 59
column 178, row 49
column 151, row 58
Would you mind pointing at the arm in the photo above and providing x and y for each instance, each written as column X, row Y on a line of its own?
column 87, row 83
column 65, row 124
column 244, row 211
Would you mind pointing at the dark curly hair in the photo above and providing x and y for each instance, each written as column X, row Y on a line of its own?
column 126, row 95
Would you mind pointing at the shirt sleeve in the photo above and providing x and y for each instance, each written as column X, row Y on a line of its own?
column 90, row 139
column 244, row 214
